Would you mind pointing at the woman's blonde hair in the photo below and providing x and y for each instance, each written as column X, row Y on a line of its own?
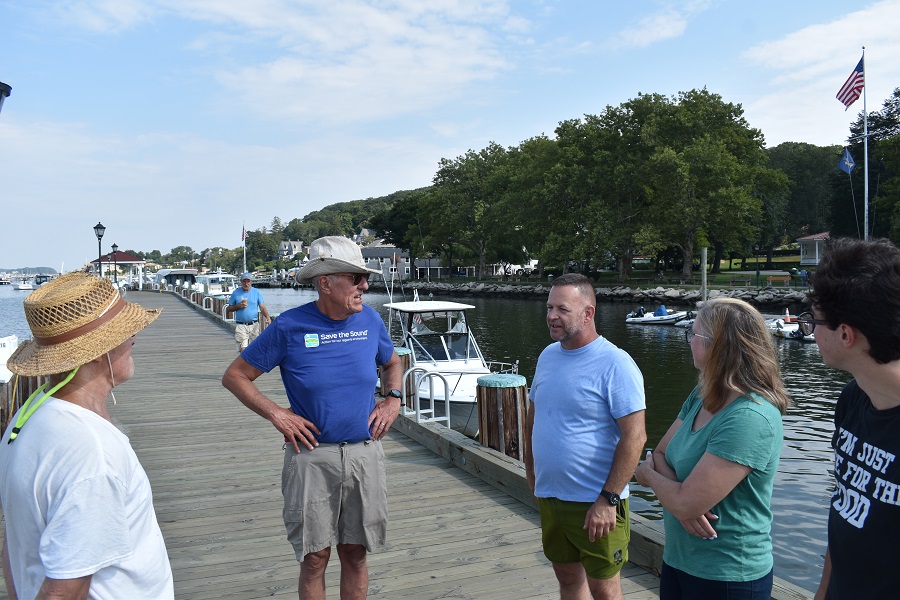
column 740, row 355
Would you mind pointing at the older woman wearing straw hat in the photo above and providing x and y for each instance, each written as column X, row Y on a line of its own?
column 77, row 503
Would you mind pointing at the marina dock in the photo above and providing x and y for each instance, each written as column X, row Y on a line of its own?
column 215, row 471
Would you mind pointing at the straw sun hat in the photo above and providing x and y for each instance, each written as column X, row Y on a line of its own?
column 74, row 319
column 333, row 254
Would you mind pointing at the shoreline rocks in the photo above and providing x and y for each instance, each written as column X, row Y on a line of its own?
column 763, row 298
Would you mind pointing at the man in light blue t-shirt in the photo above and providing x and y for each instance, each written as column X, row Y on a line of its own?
column 585, row 434
column 247, row 305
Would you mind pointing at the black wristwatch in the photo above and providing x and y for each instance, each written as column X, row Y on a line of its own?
column 395, row 394
column 611, row 497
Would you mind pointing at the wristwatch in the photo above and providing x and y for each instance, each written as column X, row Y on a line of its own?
column 395, row 394
column 611, row 497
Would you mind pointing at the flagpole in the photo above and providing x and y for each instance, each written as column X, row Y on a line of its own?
column 244, row 244
column 865, row 157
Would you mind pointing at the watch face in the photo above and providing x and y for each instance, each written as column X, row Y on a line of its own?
column 612, row 498
column 395, row 394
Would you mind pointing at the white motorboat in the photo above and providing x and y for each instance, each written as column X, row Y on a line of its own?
column 40, row 279
column 688, row 321
column 216, row 284
column 439, row 341
column 22, row 284
column 661, row 316
column 789, row 329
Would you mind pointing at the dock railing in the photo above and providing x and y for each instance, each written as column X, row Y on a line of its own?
column 418, row 376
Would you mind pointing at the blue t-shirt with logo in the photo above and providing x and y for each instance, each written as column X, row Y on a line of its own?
column 329, row 368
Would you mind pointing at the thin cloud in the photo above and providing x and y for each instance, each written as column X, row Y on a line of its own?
column 814, row 50
column 102, row 16
column 671, row 21
column 807, row 67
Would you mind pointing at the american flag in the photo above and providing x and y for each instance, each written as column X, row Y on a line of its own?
column 852, row 88
column 243, row 233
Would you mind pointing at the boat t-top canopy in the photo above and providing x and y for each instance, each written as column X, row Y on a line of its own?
column 426, row 306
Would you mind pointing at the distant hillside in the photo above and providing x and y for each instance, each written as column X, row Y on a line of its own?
column 30, row 270
column 358, row 211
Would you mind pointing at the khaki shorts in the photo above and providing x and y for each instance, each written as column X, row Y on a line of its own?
column 245, row 333
column 335, row 494
column 566, row 541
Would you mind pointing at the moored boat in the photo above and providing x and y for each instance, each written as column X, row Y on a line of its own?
column 40, row 279
column 22, row 284
column 661, row 316
column 216, row 284
column 440, row 342
column 789, row 330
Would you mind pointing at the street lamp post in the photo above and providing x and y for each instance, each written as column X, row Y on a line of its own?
column 756, row 252
column 115, row 248
column 5, row 91
column 99, row 230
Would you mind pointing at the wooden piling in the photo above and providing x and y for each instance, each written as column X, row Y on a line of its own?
column 501, row 399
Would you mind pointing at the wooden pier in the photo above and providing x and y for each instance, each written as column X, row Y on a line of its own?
column 215, row 471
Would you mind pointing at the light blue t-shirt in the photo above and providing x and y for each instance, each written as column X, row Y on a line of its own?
column 254, row 299
column 329, row 368
column 578, row 395
column 747, row 431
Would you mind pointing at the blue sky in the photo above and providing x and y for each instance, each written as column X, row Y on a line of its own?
column 175, row 122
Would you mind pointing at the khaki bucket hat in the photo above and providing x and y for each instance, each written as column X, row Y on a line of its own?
column 74, row 319
column 333, row 254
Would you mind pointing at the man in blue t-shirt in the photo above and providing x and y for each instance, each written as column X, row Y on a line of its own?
column 585, row 434
column 246, row 304
column 328, row 352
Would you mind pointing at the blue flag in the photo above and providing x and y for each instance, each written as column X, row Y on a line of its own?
column 846, row 163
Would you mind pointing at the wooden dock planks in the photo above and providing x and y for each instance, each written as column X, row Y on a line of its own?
column 215, row 471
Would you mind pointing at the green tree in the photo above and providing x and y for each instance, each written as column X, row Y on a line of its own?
column 468, row 195
column 884, row 169
column 528, row 201
column 276, row 230
column 705, row 171
column 261, row 249
column 809, row 169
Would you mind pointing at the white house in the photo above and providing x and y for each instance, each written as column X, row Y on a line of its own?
column 393, row 262
column 288, row 249
column 811, row 248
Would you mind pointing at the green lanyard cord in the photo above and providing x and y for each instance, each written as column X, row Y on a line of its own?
column 29, row 407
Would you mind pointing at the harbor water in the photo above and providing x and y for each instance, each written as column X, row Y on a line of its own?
column 515, row 329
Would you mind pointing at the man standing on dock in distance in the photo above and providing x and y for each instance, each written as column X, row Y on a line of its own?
column 856, row 322
column 333, row 480
column 246, row 302
column 585, row 435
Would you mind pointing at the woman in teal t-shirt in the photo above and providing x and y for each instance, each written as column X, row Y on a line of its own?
column 714, row 469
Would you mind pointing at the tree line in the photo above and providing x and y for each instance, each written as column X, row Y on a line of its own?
column 654, row 176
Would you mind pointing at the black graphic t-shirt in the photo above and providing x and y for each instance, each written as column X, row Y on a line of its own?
column 864, row 519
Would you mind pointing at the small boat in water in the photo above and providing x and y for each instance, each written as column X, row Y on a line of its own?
column 661, row 316
column 788, row 327
column 439, row 341
column 40, row 279
column 216, row 284
column 22, row 284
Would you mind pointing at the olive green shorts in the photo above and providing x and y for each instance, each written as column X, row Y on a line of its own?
column 566, row 541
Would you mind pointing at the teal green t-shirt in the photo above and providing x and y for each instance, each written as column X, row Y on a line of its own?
column 748, row 432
